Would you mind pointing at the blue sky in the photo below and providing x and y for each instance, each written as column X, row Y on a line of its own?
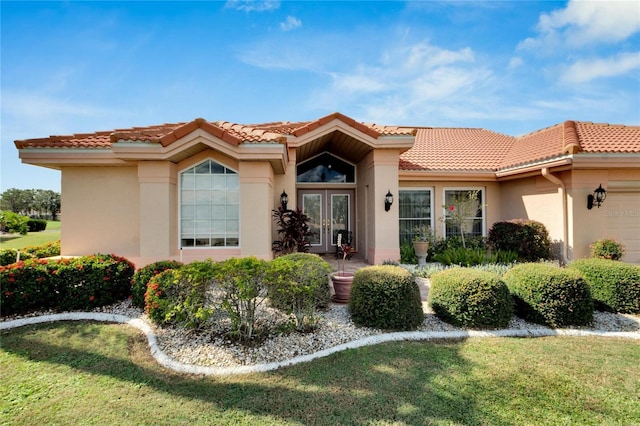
column 512, row 67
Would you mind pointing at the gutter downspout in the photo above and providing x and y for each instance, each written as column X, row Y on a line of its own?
column 565, row 218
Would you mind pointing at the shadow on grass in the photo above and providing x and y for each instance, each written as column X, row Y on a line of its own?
column 407, row 382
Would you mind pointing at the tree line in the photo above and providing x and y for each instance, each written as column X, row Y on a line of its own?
column 35, row 203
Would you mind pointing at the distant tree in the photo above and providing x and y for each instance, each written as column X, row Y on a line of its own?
column 41, row 202
column 15, row 200
column 47, row 202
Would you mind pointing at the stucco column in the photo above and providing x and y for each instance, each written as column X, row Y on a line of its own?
column 256, row 203
column 385, row 244
column 158, row 210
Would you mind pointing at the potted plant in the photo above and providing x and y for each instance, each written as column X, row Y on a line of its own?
column 421, row 239
column 342, row 280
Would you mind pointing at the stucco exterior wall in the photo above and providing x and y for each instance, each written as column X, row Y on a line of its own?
column 101, row 210
column 382, row 177
column 617, row 218
column 256, row 203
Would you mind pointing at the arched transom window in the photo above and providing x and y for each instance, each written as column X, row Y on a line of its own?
column 209, row 206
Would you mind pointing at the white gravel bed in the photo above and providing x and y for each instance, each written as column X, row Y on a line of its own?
column 334, row 328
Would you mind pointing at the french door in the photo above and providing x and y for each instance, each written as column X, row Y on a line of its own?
column 329, row 211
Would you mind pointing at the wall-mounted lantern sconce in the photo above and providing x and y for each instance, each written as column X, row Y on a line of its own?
column 597, row 197
column 284, row 199
column 388, row 200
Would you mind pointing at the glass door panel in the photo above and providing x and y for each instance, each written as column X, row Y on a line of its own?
column 340, row 214
column 312, row 207
column 329, row 211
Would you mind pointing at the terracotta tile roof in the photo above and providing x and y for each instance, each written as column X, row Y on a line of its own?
column 437, row 149
column 456, row 149
column 608, row 137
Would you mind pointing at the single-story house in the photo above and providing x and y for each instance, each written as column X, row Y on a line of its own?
column 207, row 189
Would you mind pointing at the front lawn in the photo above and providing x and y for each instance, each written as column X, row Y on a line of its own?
column 52, row 233
column 90, row 373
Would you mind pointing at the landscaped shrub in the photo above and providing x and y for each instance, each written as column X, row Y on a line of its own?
column 44, row 250
column 385, row 297
column 607, row 248
column 528, row 238
column 298, row 283
column 550, row 295
column 615, row 286
column 470, row 298
column 9, row 256
column 64, row 284
column 143, row 275
column 179, row 296
column 36, row 225
column 408, row 253
column 470, row 257
column 242, row 284
column 13, row 222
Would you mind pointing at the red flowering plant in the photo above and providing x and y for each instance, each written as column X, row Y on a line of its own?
column 143, row 275
column 64, row 284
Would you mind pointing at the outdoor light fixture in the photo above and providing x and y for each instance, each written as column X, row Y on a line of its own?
column 388, row 200
column 284, row 199
column 597, row 198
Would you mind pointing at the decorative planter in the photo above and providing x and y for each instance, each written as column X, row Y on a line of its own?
column 341, row 286
column 422, row 249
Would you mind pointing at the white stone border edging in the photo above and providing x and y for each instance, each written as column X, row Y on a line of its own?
column 167, row 362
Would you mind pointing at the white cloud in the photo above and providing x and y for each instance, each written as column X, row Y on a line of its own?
column 408, row 82
column 291, row 23
column 515, row 62
column 252, row 5
column 586, row 70
column 583, row 23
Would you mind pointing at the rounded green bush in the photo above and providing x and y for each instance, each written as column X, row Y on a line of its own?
column 550, row 295
column 529, row 238
column 385, row 297
column 307, row 270
column 143, row 275
column 615, row 286
column 607, row 249
column 470, row 298
column 178, row 296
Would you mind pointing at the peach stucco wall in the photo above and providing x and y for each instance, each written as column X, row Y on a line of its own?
column 256, row 203
column 101, row 211
column 540, row 199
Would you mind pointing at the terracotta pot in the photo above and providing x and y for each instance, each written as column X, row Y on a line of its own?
column 341, row 286
column 422, row 249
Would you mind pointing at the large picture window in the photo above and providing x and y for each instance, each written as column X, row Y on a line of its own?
column 415, row 211
column 464, row 208
column 209, row 206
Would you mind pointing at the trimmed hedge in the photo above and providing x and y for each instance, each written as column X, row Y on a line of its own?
column 143, row 275
column 298, row 283
column 178, row 296
column 615, row 286
column 64, row 284
column 9, row 256
column 529, row 238
column 36, row 225
column 550, row 295
column 470, row 298
column 385, row 297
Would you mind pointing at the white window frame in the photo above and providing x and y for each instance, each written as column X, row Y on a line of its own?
column 180, row 205
column 483, row 193
column 431, row 203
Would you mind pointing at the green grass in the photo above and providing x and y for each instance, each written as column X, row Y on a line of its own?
column 89, row 373
column 52, row 233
